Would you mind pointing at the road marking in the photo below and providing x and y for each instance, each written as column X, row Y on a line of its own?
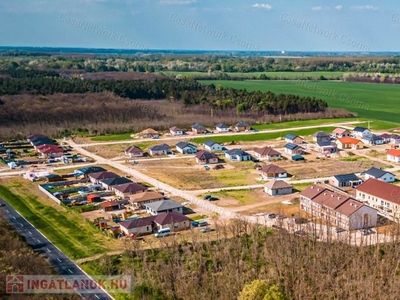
column 7, row 211
column 21, row 224
column 70, row 271
column 48, row 249
column 14, row 218
column 96, row 296
column 38, row 240
column 29, row 232
column 59, row 259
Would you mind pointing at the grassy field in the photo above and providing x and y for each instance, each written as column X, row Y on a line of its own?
column 372, row 101
column 259, row 136
column 313, row 75
column 76, row 237
column 112, row 137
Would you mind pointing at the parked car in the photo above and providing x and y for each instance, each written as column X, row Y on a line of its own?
column 213, row 199
column 366, row 231
column 271, row 216
column 199, row 223
column 281, row 217
column 163, row 232
column 206, row 197
column 2, row 204
column 206, row 229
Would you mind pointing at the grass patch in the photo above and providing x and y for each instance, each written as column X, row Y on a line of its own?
column 292, row 124
column 112, row 137
column 75, row 236
column 352, row 158
column 199, row 217
column 302, row 186
column 260, row 136
column 245, row 197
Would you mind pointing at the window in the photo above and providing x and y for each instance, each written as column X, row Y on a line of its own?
column 176, row 225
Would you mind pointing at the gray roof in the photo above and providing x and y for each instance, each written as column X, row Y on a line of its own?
column 115, row 181
column 238, row 152
column 221, row 125
column 375, row 172
column 321, row 134
column 163, row 205
column 160, row 147
column 291, row 136
column 185, row 144
column 291, row 146
column 359, row 129
column 346, row 177
column 198, row 126
column 325, row 144
column 209, row 143
column 241, row 124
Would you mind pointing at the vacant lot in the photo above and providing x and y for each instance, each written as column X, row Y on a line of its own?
column 66, row 229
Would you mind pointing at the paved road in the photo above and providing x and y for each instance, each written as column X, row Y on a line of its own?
column 60, row 262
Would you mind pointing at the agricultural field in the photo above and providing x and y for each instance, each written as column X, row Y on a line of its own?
column 276, row 75
column 117, row 150
column 372, row 101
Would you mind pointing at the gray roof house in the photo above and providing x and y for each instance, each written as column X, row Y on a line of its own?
column 210, row 145
column 379, row 174
column 321, row 136
column 222, row 127
column 160, row 149
column 346, row 180
column 198, row 128
column 186, row 148
column 372, row 139
column 237, row 155
column 109, row 182
column 163, row 206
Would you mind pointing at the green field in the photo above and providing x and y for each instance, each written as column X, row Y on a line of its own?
column 113, row 137
column 371, row 101
column 311, row 75
column 76, row 237
column 260, row 136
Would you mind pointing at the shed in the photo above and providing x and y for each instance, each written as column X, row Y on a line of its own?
column 93, row 198
column 298, row 157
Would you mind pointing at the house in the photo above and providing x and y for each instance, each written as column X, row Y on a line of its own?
column 107, row 183
column 163, row 206
column 321, row 136
column 393, row 155
column 33, row 137
column 273, row 171
column 386, row 137
column 222, row 128
column 149, row 133
column 205, row 158
column 162, row 149
column 337, row 208
column 383, row 196
column 293, row 149
column 372, row 139
column 379, row 174
column 241, row 126
column 110, row 205
column 325, row 147
column 173, row 220
column 340, row 133
column 176, row 131
column 137, row 227
column 133, row 151
column 86, row 171
column 345, row 180
column 395, row 139
column 361, row 132
column 237, row 155
column 125, row 189
column 96, row 177
column 267, row 152
column 141, row 198
column 199, row 129
column 93, row 198
column 212, row 146
column 278, row 187
column 349, row 143
column 294, row 139
column 49, row 150
column 40, row 139
column 186, row 148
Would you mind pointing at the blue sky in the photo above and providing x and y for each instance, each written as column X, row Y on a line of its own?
column 308, row 25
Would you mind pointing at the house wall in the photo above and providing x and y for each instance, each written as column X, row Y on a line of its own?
column 387, row 177
column 178, row 226
column 176, row 133
column 276, row 192
column 158, row 152
column 274, row 175
column 363, row 218
column 384, row 206
column 153, row 212
column 222, row 129
column 215, row 147
column 393, row 158
column 137, row 230
column 132, row 155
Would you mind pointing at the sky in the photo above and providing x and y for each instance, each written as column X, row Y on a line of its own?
column 244, row 25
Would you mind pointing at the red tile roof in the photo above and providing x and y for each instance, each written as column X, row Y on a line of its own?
column 313, row 191
column 339, row 131
column 274, row 169
column 381, row 189
column 348, row 140
column 393, row 152
column 267, row 151
column 168, row 218
column 349, row 207
column 109, row 204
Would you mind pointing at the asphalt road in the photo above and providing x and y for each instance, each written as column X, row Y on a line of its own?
column 60, row 262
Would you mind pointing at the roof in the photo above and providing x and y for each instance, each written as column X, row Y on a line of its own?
column 321, row 134
column 330, row 199
column 160, row 147
column 241, row 124
column 32, row 137
column 103, row 175
column 93, row 196
column 291, row 146
column 163, row 205
column 349, row 207
column 145, row 196
column 267, row 151
column 386, row 135
column 339, row 131
column 273, row 169
column 313, row 191
column 209, row 143
column 88, row 170
column 146, row 221
column 359, row 129
column 115, row 181
column 348, row 140
column 291, row 136
column 198, row 126
column 174, row 128
column 277, row 184
column 169, row 218
column 42, row 141
column 133, row 149
column 49, row 149
column 325, row 144
column 221, row 125
column 298, row 157
column 205, row 155
column 346, row 177
column 373, row 137
column 149, row 131
column 184, row 145
column 393, row 152
column 238, row 152
column 109, row 204
column 129, row 187
column 381, row 189
column 377, row 173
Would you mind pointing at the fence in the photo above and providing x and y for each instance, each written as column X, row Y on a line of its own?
column 50, row 195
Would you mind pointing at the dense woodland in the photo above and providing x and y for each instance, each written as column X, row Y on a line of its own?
column 16, row 258
column 294, row 267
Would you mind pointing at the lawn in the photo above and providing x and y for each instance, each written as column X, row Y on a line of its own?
column 260, row 136
column 244, row 197
column 311, row 75
column 292, row 124
column 371, row 101
column 75, row 236
column 112, row 137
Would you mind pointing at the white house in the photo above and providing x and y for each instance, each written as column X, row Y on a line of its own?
column 393, row 155
column 278, row 187
column 379, row 174
column 176, row 131
column 186, row 148
column 361, row 132
column 222, row 128
column 212, row 146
